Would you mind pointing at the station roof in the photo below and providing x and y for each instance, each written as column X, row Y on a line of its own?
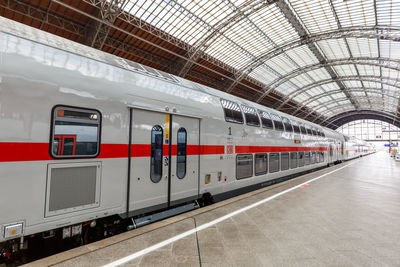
column 315, row 59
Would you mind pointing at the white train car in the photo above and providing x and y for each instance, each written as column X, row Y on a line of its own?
column 85, row 135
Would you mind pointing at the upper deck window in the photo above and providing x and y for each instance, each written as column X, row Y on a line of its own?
column 296, row 126
column 288, row 125
column 303, row 128
column 308, row 128
column 266, row 120
column 75, row 133
column 232, row 111
column 277, row 122
column 251, row 116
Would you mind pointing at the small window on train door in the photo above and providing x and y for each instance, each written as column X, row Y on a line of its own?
column 261, row 164
column 251, row 116
column 232, row 111
column 274, row 162
column 244, row 166
column 75, row 132
column 156, row 156
column 181, row 153
column 266, row 121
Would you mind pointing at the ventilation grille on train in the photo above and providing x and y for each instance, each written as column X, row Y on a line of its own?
column 72, row 188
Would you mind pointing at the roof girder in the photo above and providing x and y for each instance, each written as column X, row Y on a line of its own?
column 367, row 78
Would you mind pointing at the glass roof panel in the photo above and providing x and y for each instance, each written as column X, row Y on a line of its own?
column 273, row 23
column 316, row 15
column 281, row 64
column 345, row 70
column 301, row 98
column 302, row 56
column 389, row 49
column 286, row 88
column 368, row 70
column 372, row 84
column 301, row 80
column 316, row 91
column 352, row 84
column 319, row 74
column 355, row 13
column 334, row 48
column 222, row 50
column 363, row 47
column 357, row 93
column 261, row 73
column 394, row 74
column 330, row 86
column 244, row 35
column 388, row 12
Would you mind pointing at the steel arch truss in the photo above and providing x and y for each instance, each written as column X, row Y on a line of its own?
column 345, row 117
column 351, row 89
column 365, row 78
column 375, row 32
column 389, row 63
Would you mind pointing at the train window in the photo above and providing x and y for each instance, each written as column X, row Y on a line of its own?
column 301, row 159
column 313, row 131
column 261, row 164
column 181, row 153
column 284, row 161
column 296, row 127
column 288, row 125
column 303, row 129
column 306, row 158
column 266, row 120
column 232, row 111
column 251, row 116
column 244, row 166
column 277, row 122
column 313, row 159
column 273, row 162
column 308, row 129
column 293, row 160
column 156, row 159
column 317, row 157
column 75, row 133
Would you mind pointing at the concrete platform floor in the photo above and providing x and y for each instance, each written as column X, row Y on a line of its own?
column 349, row 217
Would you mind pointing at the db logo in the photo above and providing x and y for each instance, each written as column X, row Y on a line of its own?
column 229, row 149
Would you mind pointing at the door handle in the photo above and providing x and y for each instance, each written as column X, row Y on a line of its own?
column 166, row 177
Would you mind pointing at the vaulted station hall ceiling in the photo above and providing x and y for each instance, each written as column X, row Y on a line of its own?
column 316, row 59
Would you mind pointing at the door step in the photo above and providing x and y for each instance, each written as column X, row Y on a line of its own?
column 142, row 221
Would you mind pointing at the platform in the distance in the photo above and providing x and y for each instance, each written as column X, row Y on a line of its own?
column 348, row 217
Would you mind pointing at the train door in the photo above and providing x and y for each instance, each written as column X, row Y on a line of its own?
column 185, row 159
column 164, row 160
column 148, row 168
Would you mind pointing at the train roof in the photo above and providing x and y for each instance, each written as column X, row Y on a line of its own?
column 35, row 35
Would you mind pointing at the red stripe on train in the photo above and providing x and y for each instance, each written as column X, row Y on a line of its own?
column 19, row 151
column 40, row 151
column 267, row 149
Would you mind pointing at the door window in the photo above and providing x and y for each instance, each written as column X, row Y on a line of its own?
column 156, row 158
column 181, row 153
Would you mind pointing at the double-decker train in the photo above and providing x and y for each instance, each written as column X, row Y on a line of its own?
column 89, row 140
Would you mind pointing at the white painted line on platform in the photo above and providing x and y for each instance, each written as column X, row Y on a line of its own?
column 209, row 224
